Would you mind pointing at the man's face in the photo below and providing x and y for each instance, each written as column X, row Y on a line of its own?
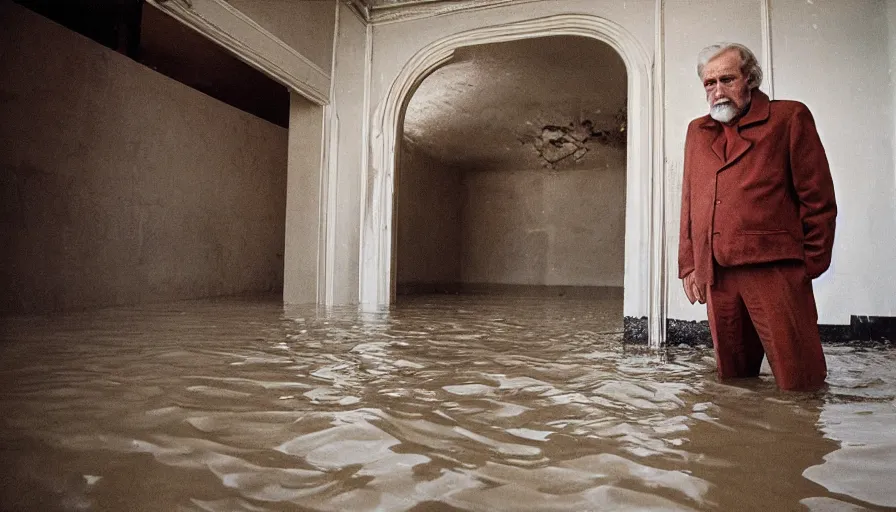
column 726, row 86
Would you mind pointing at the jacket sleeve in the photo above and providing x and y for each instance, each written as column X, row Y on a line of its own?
column 685, row 246
column 815, row 189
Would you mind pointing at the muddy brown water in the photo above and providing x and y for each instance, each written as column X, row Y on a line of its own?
column 441, row 403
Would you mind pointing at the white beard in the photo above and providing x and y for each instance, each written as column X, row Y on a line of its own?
column 724, row 112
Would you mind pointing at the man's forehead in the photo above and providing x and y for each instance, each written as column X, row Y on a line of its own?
column 727, row 61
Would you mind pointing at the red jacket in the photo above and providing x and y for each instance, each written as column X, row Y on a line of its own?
column 772, row 199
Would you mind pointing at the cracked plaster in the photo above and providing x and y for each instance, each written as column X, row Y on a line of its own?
column 549, row 102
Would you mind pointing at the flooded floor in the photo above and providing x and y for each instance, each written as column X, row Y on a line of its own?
column 442, row 403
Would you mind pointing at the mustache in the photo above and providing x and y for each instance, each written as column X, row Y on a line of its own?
column 723, row 111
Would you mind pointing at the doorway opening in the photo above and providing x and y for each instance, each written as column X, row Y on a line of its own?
column 511, row 173
column 644, row 271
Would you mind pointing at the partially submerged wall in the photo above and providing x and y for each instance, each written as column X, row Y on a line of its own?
column 429, row 201
column 541, row 227
column 121, row 186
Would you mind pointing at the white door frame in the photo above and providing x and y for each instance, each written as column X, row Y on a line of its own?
column 645, row 271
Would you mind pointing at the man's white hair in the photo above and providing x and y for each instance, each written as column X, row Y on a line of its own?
column 749, row 65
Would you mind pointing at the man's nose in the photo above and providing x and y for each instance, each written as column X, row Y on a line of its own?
column 717, row 93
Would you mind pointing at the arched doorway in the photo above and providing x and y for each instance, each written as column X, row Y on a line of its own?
column 644, row 242
column 511, row 173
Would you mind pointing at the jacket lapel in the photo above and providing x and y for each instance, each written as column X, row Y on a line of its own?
column 741, row 145
column 718, row 146
column 758, row 113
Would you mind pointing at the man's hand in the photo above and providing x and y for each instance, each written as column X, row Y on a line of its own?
column 695, row 293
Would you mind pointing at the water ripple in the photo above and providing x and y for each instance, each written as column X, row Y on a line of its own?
column 438, row 404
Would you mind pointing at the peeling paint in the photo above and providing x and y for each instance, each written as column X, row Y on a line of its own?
column 557, row 143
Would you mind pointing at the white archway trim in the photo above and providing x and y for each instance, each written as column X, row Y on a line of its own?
column 644, row 233
column 768, row 70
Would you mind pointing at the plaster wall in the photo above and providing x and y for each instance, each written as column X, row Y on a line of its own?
column 122, row 186
column 834, row 57
column 303, row 202
column 306, row 26
column 518, row 227
column 541, row 227
column 429, row 202
column 891, row 68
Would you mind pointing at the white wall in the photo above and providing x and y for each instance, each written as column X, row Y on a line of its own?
column 833, row 56
column 891, row 69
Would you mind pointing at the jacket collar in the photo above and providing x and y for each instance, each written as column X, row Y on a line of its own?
column 758, row 112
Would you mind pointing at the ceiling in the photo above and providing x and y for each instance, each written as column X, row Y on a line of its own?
column 521, row 105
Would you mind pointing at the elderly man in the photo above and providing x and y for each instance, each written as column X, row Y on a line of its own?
column 757, row 223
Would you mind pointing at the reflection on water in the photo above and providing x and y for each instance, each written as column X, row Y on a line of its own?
column 439, row 404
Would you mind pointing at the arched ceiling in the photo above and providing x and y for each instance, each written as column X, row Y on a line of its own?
column 521, row 105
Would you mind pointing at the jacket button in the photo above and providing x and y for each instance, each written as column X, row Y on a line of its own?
column 718, row 201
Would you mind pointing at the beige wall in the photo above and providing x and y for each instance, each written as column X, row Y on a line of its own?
column 300, row 283
column 120, row 185
column 305, row 25
column 526, row 227
column 541, row 227
column 429, row 199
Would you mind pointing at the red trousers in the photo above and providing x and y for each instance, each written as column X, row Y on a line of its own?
column 766, row 309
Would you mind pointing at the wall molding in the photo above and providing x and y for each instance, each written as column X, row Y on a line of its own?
column 225, row 25
column 768, row 69
column 326, row 261
column 358, row 10
column 645, row 235
column 657, row 301
column 367, row 148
